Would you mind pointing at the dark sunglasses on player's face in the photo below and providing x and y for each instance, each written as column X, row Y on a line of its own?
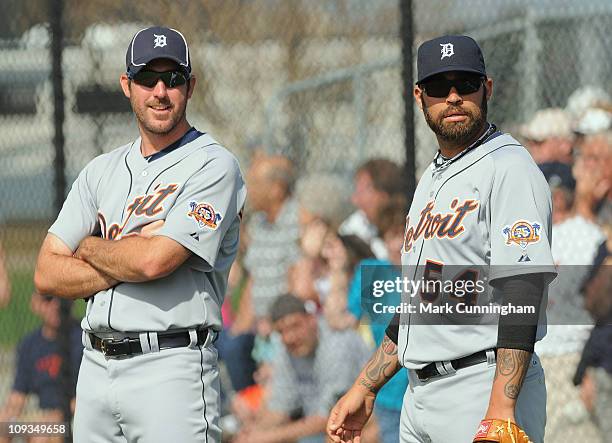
column 171, row 79
column 441, row 86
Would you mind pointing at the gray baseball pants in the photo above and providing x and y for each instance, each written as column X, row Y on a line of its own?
column 449, row 408
column 156, row 397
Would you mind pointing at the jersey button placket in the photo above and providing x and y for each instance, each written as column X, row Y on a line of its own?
column 140, row 183
column 437, row 177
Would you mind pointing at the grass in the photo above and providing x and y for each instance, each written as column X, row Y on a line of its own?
column 21, row 242
column 16, row 320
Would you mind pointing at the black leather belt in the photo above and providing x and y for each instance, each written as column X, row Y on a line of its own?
column 441, row 368
column 131, row 346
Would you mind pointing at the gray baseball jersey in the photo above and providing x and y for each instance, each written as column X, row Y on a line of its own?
column 489, row 210
column 199, row 191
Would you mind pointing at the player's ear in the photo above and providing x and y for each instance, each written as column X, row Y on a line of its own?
column 418, row 96
column 125, row 84
column 191, row 84
column 489, row 87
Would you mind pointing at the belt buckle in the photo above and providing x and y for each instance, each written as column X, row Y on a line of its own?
column 104, row 345
column 423, row 379
column 108, row 343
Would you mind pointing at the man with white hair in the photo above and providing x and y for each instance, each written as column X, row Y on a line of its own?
column 548, row 136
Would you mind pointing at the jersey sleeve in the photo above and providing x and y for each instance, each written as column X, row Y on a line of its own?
column 209, row 204
column 521, row 225
column 78, row 217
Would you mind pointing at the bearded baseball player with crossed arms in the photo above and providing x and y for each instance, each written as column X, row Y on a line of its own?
column 482, row 207
column 147, row 235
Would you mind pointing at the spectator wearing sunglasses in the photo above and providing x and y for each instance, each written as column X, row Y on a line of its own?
column 38, row 368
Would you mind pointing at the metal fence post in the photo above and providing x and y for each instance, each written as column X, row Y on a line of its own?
column 407, row 38
column 57, row 80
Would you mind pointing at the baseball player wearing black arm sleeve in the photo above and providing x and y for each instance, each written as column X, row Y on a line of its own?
column 481, row 210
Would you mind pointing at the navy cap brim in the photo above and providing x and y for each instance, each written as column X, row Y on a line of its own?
column 451, row 69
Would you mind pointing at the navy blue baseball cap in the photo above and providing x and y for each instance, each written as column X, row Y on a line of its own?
column 157, row 42
column 449, row 53
column 558, row 174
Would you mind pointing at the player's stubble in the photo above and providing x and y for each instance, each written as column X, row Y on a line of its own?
column 458, row 133
column 155, row 126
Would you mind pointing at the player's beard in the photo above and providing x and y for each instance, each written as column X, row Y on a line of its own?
column 458, row 133
column 160, row 127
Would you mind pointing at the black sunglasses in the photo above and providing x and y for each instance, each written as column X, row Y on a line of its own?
column 441, row 86
column 171, row 79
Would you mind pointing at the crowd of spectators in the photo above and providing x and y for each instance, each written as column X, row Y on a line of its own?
column 573, row 147
column 299, row 315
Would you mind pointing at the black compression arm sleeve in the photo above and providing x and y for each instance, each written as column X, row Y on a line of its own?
column 518, row 331
column 392, row 330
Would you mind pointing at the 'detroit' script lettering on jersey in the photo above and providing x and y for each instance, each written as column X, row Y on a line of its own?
column 142, row 205
column 440, row 225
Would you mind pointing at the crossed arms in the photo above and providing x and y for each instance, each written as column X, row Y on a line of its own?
column 99, row 264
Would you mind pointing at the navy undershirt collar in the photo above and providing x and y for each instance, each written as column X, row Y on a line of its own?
column 189, row 136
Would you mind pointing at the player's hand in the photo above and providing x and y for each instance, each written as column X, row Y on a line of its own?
column 313, row 237
column 151, row 229
column 82, row 249
column 349, row 416
column 334, row 252
column 591, row 183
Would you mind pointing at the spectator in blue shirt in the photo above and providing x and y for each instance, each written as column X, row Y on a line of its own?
column 38, row 365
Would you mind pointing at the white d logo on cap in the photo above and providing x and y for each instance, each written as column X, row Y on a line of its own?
column 447, row 50
column 160, row 41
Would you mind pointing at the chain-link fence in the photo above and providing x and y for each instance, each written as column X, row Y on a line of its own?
column 317, row 80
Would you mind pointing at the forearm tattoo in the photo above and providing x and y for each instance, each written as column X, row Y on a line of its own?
column 381, row 367
column 512, row 365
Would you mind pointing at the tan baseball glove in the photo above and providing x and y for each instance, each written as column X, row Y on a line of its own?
column 495, row 430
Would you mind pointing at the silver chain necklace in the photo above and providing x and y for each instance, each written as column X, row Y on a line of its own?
column 440, row 162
